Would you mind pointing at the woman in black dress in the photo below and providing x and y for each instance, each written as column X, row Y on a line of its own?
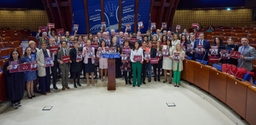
column 14, row 81
column 76, row 58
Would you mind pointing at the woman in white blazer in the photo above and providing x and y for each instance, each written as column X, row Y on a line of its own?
column 44, row 71
column 175, row 41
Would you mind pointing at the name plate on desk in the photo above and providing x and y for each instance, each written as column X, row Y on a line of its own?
column 114, row 55
column 65, row 59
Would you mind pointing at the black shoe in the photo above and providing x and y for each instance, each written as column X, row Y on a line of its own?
column 30, row 97
column 158, row 79
column 149, row 80
column 33, row 95
column 138, row 85
column 55, row 87
column 133, row 85
column 178, row 85
column 175, row 85
column 79, row 84
column 144, row 82
column 155, row 79
column 130, row 82
column 18, row 104
column 164, row 81
column 75, row 86
column 170, row 82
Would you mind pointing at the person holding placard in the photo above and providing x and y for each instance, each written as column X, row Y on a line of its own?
column 201, row 47
column 178, row 56
column 44, row 60
column 118, row 60
column 146, row 59
column 14, row 81
column 248, row 54
column 30, row 76
column 215, row 51
column 231, row 46
column 42, row 39
column 76, row 59
column 127, row 63
column 137, row 61
column 64, row 61
column 167, row 60
column 54, row 53
column 157, row 53
column 103, row 62
column 89, row 56
column 190, row 47
column 152, row 52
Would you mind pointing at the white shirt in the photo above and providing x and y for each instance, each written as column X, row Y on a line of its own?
column 136, row 52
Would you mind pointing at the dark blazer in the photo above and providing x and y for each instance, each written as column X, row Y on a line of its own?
column 76, row 66
column 190, row 54
column 206, row 46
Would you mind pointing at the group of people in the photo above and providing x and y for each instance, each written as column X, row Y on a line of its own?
column 141, row 56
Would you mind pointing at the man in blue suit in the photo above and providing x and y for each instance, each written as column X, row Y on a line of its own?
column 206, row 46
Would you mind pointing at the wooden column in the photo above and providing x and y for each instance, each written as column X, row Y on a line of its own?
column 120, row 13
column 136, row 15
column 86, row 17
column 159, row 22
column 111, row 74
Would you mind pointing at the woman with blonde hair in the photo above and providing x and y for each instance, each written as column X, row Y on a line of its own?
column 178, row 56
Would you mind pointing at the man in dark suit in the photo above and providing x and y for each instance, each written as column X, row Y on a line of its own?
column 248, row 54
column 205, row 48
column 190, row 51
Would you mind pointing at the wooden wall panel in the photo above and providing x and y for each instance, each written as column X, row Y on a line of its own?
column 239, row 17
column 23, row 19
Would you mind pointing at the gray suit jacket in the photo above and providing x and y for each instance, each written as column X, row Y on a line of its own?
column 60, row 54
column 249, row 54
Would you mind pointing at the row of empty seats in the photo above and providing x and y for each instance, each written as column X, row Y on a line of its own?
column 11, row 35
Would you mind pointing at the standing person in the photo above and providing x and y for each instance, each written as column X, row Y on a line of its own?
column 89, row 56
column 157, row 67
column 152, row 52
column 175, row 40
column 231, row 46
column 127, row 65
column 163, row 40
column 190, row 51
column 54, row 68
column 76, row 59
column 64, row 67
column 14, row 81
column 206, row 47
column 145, row 62
column 44, row 72
column 34, row 50
column 248, row 54
column 178, row 56
column 118, row 60
column 103, row 61
column 167, row 60
column 30, row 76
column 43, row 39
column 136, row 65
column 218, row 42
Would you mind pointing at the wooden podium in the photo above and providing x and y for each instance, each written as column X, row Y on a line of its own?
column 111, row 69
column 3, row 95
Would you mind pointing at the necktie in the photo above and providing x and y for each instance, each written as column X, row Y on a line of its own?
column 243, row 48
column 65, row 52
column 201, row 42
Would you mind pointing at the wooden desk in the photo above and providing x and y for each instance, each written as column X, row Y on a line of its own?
column 218, row 84
column 201, row 77
column 188, row 71
column 251, row 105
column 236, row 95
column 111, row 74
